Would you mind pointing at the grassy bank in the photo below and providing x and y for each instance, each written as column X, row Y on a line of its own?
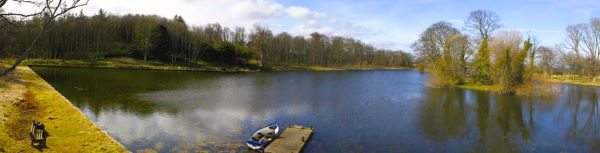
column 569, row 79
column 130, row 63
column 123, row 63
column 479, row 87
column 318, row 68
column 24, row 96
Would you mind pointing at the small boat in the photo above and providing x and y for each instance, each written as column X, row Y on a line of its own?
column 262, row 137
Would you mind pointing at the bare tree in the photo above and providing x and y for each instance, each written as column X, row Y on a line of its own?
column 239, row 36
column 547, row 58
column 591, row 46
column 51, row 9
column 505, row 40
column 591, row 38
column 574, row 44
column 462, row 50
column 584, row 41
column 574, row 36
column 444, row 48
column 258, row 41
column 434, row 40
column 483, row 23
column 535, row 45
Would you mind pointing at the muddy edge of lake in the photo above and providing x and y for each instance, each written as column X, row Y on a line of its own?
column 25, row 96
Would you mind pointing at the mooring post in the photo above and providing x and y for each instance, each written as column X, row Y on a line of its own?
column 303, row 139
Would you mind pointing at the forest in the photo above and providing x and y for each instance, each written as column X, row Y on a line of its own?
column 173, row 41
column 489, row 55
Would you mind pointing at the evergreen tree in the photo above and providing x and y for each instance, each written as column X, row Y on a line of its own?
column 482, row 64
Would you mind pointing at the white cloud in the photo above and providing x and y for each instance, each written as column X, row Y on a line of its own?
column 198, row 12
column 243, row 13
column 303, row 13
column 297, row 20
column 255, row 10
column 314, row 26
column 585, row 8
column 337, row 28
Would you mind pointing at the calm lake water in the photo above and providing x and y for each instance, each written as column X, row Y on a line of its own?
column 351, row 111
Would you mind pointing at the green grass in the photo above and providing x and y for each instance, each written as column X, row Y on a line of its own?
column 477, row 86
column 128, row 63
column 569, row 79
column 131, row 63
column 69, row 129
column 319, row 68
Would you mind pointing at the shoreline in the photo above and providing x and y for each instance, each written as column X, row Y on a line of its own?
column 70, row 129
column 573, row 82
column 565, row 79
column 133, row 64
column 227, row 71
column 478, row 87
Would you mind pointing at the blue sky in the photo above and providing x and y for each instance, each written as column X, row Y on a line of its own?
column 388, row 24
column 400, row 22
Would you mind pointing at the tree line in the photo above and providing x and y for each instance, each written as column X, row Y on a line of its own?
column 580, row 53
column 487, row 55
column 150, row 37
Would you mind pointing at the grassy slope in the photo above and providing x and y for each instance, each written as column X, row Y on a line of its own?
column 119, row 63
column 33, row 98
column 202, row 66
column 570, row 80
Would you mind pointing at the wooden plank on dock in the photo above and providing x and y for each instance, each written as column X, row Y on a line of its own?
column 292, row 140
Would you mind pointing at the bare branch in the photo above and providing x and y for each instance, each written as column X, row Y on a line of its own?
column 23, row 15
column 54, row 11
column 2, row 2
column 483, row 23
column 20, row 14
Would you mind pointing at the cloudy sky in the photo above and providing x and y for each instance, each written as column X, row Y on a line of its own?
column 389, row 24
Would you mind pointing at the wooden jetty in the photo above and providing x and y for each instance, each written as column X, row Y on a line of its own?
column 292, row 140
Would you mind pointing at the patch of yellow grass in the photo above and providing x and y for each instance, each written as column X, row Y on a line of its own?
column 69, row 129
column 126, row 63
column 477, row 86
column 320, row 68
column 570, row 79
column 131, row 63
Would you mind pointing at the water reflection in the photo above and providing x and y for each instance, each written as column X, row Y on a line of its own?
column 582, row 103
column 500, row 123
column 364, row 111
column 443, row 115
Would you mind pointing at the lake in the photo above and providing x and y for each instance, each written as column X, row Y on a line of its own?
column 351, row 111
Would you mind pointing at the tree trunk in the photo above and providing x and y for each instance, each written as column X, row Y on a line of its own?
column 22, row 57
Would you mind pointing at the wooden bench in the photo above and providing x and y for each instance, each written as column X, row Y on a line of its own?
column 37, row 134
